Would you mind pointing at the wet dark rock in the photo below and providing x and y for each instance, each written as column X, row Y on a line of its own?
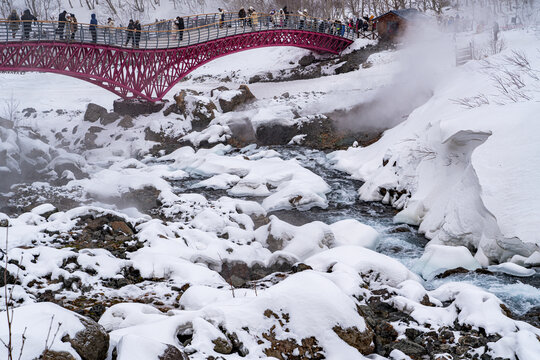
column 532, row 316
column 451, row 272
column 241, row 98
column 6, row 277
column 483, row 271
column 172, row 353
column 360, row 340
column 400, row 229
column 94, row 112
column 409, row 348
column 133, row 107
column 92, row 342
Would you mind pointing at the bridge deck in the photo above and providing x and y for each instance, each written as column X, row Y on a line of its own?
column 199, row 29
column 146, row 64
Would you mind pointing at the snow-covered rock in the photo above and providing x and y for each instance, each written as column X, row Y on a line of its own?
column 512, row 269
column 438, row 258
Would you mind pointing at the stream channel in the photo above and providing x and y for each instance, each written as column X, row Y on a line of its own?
column 402, row 242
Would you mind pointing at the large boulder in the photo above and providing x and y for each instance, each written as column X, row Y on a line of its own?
column 94, row 112
column 92, row 342
column 307, row 60
column 319, row 133
column 190, row 103
column 135, row 107
column 230, row 100
column 109, row 118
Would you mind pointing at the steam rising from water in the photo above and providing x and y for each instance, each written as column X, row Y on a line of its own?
column 424, row 55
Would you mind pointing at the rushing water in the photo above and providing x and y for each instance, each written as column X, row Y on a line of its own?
column 401, row 242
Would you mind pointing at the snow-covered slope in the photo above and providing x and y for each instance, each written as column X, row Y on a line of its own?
column 464, row 165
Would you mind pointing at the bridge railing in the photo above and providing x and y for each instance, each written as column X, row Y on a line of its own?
column 163, row 35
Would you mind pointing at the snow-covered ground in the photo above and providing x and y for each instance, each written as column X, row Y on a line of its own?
column 212, row 272
column 462, row 166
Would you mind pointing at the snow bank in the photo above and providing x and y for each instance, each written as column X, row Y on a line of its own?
column 464, row 171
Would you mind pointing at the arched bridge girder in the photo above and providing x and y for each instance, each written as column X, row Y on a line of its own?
column 148, row 74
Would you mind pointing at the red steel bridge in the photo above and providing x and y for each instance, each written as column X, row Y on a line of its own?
column 146, row 64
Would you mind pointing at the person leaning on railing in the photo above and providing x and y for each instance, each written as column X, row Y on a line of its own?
column 138, row 29
column 72, row 21
column 14, row 22
column 130, row 30
column 242, row 16
column 61, row 24
column 27, row 19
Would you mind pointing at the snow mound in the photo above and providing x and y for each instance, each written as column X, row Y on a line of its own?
column 438, row 258
column 353, row 232
column 512, row 269
column 363, row 261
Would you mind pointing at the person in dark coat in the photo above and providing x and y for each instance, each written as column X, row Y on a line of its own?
column 61, row 24
column 286, row 12
column 242, row 16
column 130, row 31
column 93, row 28
column 27, row 19
column 179, row 23
column 138, row 29
column 14, row 22
column 359, row 26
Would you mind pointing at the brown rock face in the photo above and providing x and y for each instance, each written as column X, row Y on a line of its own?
column 360, row 340
column 172, row 353
column 245, row 95
column 222, row 346
column 56, row 355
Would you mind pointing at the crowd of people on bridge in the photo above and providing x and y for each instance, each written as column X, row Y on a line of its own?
column 67, row 27
column 301, row 19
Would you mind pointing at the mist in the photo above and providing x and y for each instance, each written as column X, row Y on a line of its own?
column 424, row 56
